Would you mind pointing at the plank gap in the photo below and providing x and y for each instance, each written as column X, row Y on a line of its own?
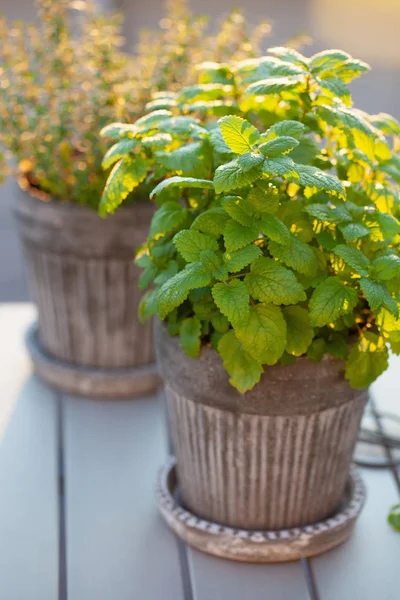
column 310, row 579
column 62, row 552
column 185, row 570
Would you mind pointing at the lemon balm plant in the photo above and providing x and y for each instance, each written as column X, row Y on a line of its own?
column 273, row 259
column 277, row 234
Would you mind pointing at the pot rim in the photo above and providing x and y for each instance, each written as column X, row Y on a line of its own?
column 306, row 386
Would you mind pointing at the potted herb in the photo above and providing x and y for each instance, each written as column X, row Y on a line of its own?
column 276, row 270
column 62, row 80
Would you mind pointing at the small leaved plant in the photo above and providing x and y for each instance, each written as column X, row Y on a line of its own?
column 65, row 77
column 277, row 233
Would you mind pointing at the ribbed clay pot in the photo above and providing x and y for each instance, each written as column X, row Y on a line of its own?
column 83, row 280
column 276, row 457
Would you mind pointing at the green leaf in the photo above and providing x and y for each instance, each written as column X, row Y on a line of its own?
column 244, row 371
column 275, row 85
column 232, row 300
column 289, row 55
column 269, row 281
column 273, row 228
column 317, row 350
column 264, row 200
column 239, row 135
column 313, row 177
column 170, row 270
column 213, row 72
column 237, row 236
column 361, row 132
column 182, row 126
column 254, row 69
column 299, row 330
column 230, row 176
column 190, row 160
column 387, row 322
column 378, row 295
column 282, row 166
column 211, row 221
column 167, row 218
column 287, row 359
column 218, row 144
column 278, row 146
column 386, row 268
column 190, row 336
column 124, row 177
column 161, row 103
column 148, row 305
column 152, row 120
column 395, row 347
column 115, row 131
column 351, row 69
column 250, row 160
column 354, row 258
column 296, row 254
column 394, row 517
column 389, row 225
column 147, row 276
column 117, row 152
column 211, row 260
column 338, row 347
column 236, row 261
column 354, row 231
column 329, row 214
column 367, row 360
column 220, row 323
column 182, row 182
column 294, row 129
column 204, row 92
column 386, row 123
column 157, row 141
column 335, row 87
column 190, row 243
column 239, row 209
column 327, row 60
column 330, row 300
column 306, row 152
column 176, row 290
column 263, row 334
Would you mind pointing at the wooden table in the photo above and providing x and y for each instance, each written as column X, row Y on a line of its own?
column 78, row 518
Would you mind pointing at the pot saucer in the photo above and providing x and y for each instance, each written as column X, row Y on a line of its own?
column 92, row 382
column 258, row 546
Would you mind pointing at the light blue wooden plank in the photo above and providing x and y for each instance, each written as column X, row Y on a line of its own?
column 28, row 470
column 366, row 567
column 29, row 497
column 118, row 546
column 217, row 579
column 386, row 389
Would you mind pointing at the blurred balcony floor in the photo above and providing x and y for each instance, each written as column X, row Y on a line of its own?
column 77, row 511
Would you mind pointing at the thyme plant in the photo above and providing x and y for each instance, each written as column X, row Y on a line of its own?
column 66, row 76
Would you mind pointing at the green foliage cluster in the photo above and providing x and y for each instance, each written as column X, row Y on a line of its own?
column 65, row 77
column 394, row 517
column 277, row 233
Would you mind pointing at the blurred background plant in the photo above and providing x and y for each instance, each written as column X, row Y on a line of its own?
column 394, row 517
column 66, row 76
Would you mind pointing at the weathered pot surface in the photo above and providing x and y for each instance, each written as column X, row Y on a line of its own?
column 273, row 458
column 83, row 280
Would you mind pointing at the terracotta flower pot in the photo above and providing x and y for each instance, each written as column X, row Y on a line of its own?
column 276, row 457
column 82, row 278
